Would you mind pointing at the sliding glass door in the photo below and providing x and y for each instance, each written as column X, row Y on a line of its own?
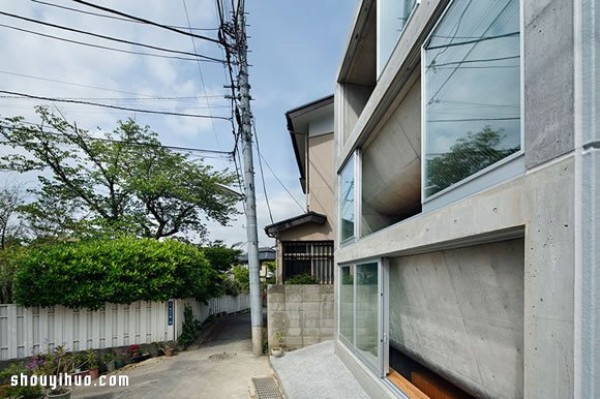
column 362, row 315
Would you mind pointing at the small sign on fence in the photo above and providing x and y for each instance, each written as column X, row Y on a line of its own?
column 170, row 313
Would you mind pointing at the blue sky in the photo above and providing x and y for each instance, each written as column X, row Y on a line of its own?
column 296, row 48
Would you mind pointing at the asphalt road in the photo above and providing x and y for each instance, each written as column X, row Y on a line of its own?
column 222, row 367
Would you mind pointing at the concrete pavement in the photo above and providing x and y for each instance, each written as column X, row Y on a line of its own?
column 223, row 367
column 316, row 372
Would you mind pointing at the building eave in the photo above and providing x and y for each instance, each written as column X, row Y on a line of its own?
column 274, row 229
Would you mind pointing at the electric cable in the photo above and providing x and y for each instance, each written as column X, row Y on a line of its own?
column 115, row 39
column 62, row 39
column 262, row 174
column 147, row 21
column 113, row 17
column 145, row 111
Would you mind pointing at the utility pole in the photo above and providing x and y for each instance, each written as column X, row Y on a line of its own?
column 249, row 189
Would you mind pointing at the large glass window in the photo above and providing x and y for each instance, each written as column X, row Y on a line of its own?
column 367, row 309
column 392, row 16
column 360, row 314
column 346, row 201
column 472, row 91
column 347, row 302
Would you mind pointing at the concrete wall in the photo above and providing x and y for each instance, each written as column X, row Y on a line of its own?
column 548, row 76
column 460, row 312
column 301, row 314
column 391, row 190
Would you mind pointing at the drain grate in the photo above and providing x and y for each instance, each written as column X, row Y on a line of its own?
column 266, row 388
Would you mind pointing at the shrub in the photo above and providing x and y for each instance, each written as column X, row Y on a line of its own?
column 305, row 278
column 124, row 270
column 190, row 328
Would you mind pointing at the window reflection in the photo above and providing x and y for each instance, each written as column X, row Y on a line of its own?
column 472, row 95
column 347, row 201
column 347, row 303
column 392, row 16
column 367, row 308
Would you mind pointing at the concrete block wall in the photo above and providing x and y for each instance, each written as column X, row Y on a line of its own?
column 300, row 314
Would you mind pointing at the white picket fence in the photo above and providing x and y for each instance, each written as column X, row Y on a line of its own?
column 25, row 331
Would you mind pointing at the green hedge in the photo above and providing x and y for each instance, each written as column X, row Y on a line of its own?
column 124, row 270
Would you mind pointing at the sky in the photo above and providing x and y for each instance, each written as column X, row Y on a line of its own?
column 295, row 51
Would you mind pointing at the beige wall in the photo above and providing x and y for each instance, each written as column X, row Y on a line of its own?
column 321, row 177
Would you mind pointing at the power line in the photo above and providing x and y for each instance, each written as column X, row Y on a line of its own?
column 281, row 183
column 100, row 46
column 451, row 74
column 514, row 118
column 145, row 111
column 512, row 57
column 69, row 99
column 481, row 39
column 57, row 133
column 115, row 39
column 76, row 84
column 262, row 173
column 113, row 17
column 187, row 17
column 178, row 98
column 146, row 21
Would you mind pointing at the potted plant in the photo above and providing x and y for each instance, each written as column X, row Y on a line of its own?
column 19, row 391
column 56, row 364
column 92, row 363
column 109, row 360
column 277, row 345
column 119, row 359
column 168, row 348
column 80, row 363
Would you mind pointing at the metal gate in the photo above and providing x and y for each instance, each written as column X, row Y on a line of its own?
column 308, row 257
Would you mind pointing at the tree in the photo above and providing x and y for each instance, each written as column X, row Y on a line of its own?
column 10, row 201
column 467, row 156
column 220, row 257
column 122, row 182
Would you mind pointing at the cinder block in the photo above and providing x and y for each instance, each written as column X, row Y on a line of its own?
column 291, row 333
column 311, row 340
column 312, row 315
column 312, row 323
column 293, row 296
column 293, row 343
column 275, row 289
column 326, row 298
column 311, row 307
column 311, row 292
column 327, row 323
column 293, row 306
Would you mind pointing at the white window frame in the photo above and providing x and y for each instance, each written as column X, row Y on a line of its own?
column 354, row 157
column 499, row 172
column 381, row 364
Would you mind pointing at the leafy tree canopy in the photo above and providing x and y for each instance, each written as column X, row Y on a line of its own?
column 119, row 182
column 221, row 257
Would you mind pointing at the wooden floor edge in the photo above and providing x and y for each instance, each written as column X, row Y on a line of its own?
column 405, row 386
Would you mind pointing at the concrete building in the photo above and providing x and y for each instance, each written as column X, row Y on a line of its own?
column 466, row 142
column 305, row 242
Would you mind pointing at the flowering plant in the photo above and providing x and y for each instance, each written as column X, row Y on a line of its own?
column 134, row 350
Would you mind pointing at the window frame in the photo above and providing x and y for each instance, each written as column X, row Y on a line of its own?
column 506, row 169
column 380, row 66
column 379, row 364
column 357, row 176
